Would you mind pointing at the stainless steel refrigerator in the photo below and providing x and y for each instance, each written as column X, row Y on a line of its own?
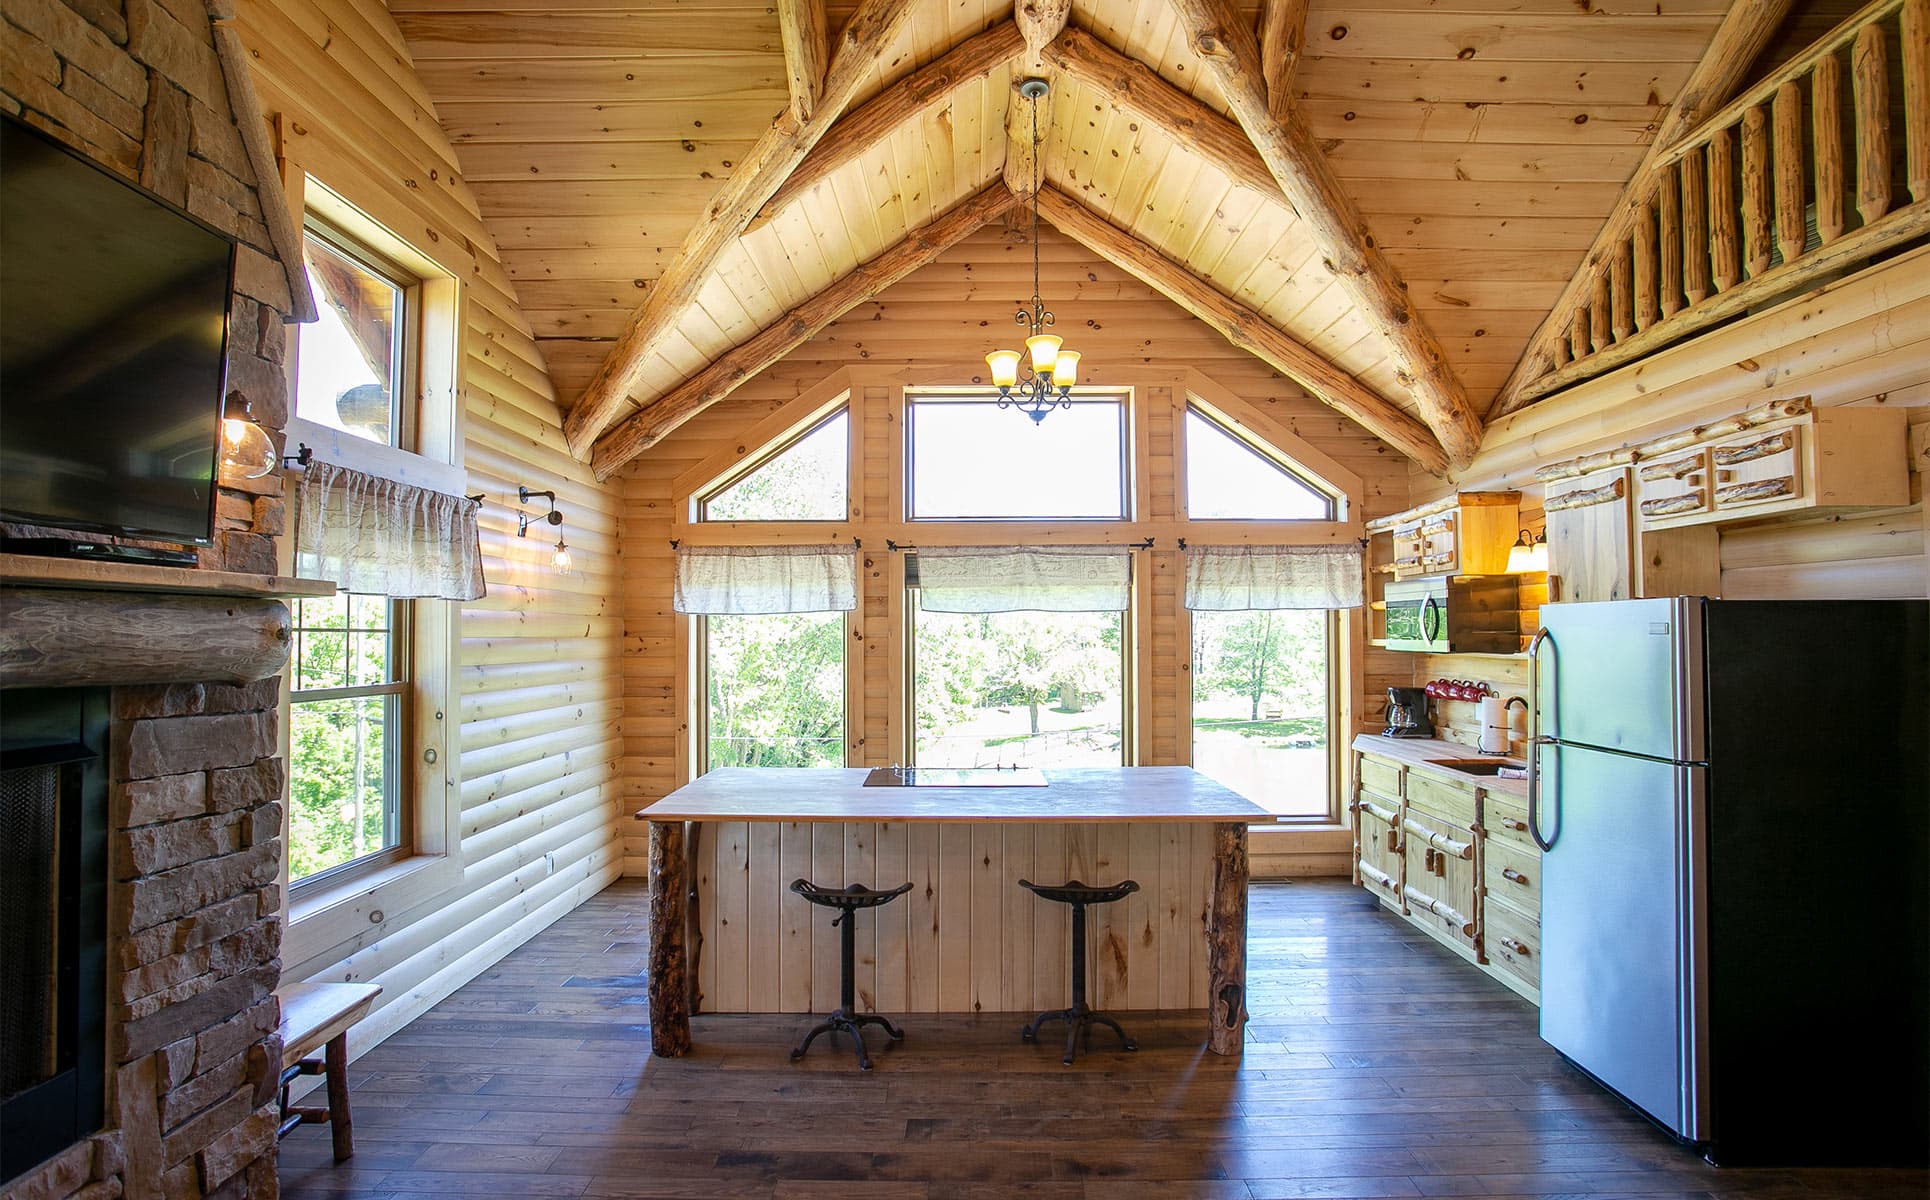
column 1734, row 803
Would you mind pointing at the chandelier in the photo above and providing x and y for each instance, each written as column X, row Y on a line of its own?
column 1040, row 378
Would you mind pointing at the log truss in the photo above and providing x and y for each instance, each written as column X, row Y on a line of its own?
column 1266, row 148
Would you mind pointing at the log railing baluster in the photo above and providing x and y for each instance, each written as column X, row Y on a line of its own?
column 1915, row 27
column 1695, row 227
column 1646, row 311
column 1755, row 190
column 1790, row 234
column 1578, row 332
column 1725, row 248
column 1621, row 319
column 1598, row 335
column 1826, row 125
column 1870, row 74
column 1669, row 240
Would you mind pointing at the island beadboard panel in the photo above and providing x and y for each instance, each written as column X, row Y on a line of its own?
column 1131, row 338
column 537, row 667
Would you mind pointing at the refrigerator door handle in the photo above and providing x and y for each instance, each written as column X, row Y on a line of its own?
column 1536, row 739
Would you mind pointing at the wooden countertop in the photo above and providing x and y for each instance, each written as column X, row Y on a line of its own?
column 1165, row 794
column 1415, row 752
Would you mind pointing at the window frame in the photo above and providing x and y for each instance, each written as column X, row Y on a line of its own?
column 336, row 908
column 766, row 455
column 1336, row 708
column 405, row 392
column 1336, row 500
column 989, row 399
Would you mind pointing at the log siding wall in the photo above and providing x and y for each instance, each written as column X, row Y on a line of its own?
column 932, row 329
column 539, row 694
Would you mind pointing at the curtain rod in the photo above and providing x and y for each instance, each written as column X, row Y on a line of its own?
column 856, row 544
column 304, row 455
column 1145, row 545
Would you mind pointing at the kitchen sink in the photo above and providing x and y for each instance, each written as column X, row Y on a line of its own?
column 1478, row 766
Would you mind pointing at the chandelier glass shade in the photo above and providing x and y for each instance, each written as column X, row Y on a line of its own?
column 1039, row 378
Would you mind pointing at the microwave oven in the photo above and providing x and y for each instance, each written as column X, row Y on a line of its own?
column 1455, row 614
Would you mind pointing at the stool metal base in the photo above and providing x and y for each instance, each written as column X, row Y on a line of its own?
column 1077, row 1018
column 840, row 1022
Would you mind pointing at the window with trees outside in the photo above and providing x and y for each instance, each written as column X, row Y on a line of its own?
column 1263, row 682
column 774, row 685
column 349, row 717
column 1035, row 689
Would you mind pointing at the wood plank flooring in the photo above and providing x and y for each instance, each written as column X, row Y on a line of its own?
column 1377, row 1066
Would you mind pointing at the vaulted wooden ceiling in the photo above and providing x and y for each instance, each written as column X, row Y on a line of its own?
column 1483, row 142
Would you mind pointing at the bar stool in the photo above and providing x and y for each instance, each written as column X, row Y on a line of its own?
column 1079, row 1016
column 847, row 1019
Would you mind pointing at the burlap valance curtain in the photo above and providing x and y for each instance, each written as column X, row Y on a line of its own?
column 741, row 580
column 1238, row 578
column 988, row 579
column 378, row 537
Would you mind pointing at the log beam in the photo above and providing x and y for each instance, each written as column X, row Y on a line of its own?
column 1027, row 118
column 1243, row 327
column 283, row 234
column 1040, row 21
column 1230, row 56
column 737, row 367
column 1744, row 32
column 903, row 102
column 1283, row 38
column 806, row 36
column 669, row 966
column 866, row 36
column 1136, row 88
column 1226, row 941
column 85, row 638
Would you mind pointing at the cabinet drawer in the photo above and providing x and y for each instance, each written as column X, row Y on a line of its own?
column 1758, row 469
column 1453, row 802
column 1440, row 546
column 1674, row 488
column 1512, row 874
column 1512, row 943
column 1381, row 776
column 1505, row 819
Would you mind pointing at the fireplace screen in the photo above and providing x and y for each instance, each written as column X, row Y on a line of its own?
column 29, row 926
column 53, row 921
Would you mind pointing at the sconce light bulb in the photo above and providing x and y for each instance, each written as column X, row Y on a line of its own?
column 246, row 451
column 561, row 559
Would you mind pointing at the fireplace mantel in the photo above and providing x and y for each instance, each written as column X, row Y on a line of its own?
column 67, row 623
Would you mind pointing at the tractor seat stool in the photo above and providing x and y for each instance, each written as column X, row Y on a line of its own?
column 847, row 1019
column 1080, row 1016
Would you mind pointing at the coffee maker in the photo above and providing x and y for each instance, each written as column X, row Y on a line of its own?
column 1407, row 713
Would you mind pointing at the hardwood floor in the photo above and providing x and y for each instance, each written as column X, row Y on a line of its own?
column 1377, row 1065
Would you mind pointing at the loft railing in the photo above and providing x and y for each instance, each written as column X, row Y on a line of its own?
column 1798, row 177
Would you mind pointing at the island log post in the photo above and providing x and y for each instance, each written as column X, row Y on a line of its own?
column 669, row 965
column 1226, row 940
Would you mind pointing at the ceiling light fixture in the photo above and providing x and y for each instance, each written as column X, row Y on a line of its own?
column 1040, row 378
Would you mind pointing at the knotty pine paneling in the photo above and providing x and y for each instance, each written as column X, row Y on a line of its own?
column 541, row 696
column 935, row 325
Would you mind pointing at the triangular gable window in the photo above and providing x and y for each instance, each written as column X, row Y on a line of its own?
column 805, row 479
column 1227, row 478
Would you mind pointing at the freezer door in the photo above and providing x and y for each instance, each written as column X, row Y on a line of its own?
column 1624, row 675
column 1621, row 918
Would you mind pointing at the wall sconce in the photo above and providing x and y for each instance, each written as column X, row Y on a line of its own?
column 246, row 449
column 560, row 560
column 1528, row 554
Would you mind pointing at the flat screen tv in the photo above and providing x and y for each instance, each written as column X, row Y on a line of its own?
column 113, row 349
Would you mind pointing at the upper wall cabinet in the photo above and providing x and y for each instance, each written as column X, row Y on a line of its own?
column 1467, row 533
column 1780, row 458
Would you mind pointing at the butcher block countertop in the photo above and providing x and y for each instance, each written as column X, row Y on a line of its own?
column 1415, row 752
column 1098, row 794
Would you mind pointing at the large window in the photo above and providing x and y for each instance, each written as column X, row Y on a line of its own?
column 970, row 460
column 1228, row 478
column 1028, row 688
column 1263, row 707
column 774, row 688
column 349, row 712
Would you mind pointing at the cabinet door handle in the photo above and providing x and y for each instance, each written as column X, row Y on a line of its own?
column 1515, row 947
column 1427, row 860
column 1393, row 841
column 1514, row 876
column 1511, row 823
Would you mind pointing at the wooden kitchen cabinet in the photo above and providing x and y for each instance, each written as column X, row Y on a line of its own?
column 1452, row 857
column 1591, row 541
column 1467, row 533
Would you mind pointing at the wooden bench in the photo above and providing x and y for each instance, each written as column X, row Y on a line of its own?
column 317, row 1016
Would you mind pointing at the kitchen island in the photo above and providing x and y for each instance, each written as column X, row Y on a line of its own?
column 727, row 934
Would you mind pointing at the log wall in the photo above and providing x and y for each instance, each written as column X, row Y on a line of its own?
column 539, row 692
column 918, row 332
